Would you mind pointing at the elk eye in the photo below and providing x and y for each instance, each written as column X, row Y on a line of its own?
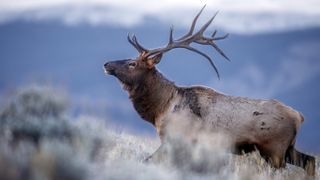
column 132, row 64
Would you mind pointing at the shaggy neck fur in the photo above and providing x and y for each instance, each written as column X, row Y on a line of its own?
column 151, row 96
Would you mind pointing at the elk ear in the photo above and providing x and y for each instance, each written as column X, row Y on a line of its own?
column 151, row 62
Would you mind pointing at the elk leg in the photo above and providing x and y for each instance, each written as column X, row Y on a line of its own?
column 277, row 161
column 302, row 160
column 159, row 155
column 274, row 156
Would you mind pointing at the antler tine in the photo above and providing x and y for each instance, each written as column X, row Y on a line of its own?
column 192, row 25
column 205, row 26
column 220, row 38
column 171, row 36
column 211, row 42
column 131, row 42
column 219, row 50
column 134, row 42
column 204, row 55
column 214, row 33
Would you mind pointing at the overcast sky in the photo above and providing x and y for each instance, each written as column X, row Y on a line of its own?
column 242, row 16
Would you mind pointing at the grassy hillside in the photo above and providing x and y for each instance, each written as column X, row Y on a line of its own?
column 39, row 140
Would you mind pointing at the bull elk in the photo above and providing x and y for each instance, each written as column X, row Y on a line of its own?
column 267, row 125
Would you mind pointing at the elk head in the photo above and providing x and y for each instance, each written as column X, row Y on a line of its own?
column 133, row 71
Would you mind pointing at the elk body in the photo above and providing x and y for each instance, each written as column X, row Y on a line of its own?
column 266, row 125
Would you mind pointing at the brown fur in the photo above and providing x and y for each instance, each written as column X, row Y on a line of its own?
column 148, row 97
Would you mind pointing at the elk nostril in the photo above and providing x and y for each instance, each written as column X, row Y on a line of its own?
column 106, row 64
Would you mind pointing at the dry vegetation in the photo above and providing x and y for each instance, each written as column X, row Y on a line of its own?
column 39, row 141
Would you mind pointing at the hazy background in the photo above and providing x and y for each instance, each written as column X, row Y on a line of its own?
column 273, row 46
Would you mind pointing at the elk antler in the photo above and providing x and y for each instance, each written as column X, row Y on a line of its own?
column 185, row 41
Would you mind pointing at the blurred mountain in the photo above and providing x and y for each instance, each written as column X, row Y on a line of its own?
column 283, row 66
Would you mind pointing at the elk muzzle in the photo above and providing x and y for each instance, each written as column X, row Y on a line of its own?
column 112, row 67
column 109, row 68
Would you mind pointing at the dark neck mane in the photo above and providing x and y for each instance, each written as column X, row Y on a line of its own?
column 151, row 97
